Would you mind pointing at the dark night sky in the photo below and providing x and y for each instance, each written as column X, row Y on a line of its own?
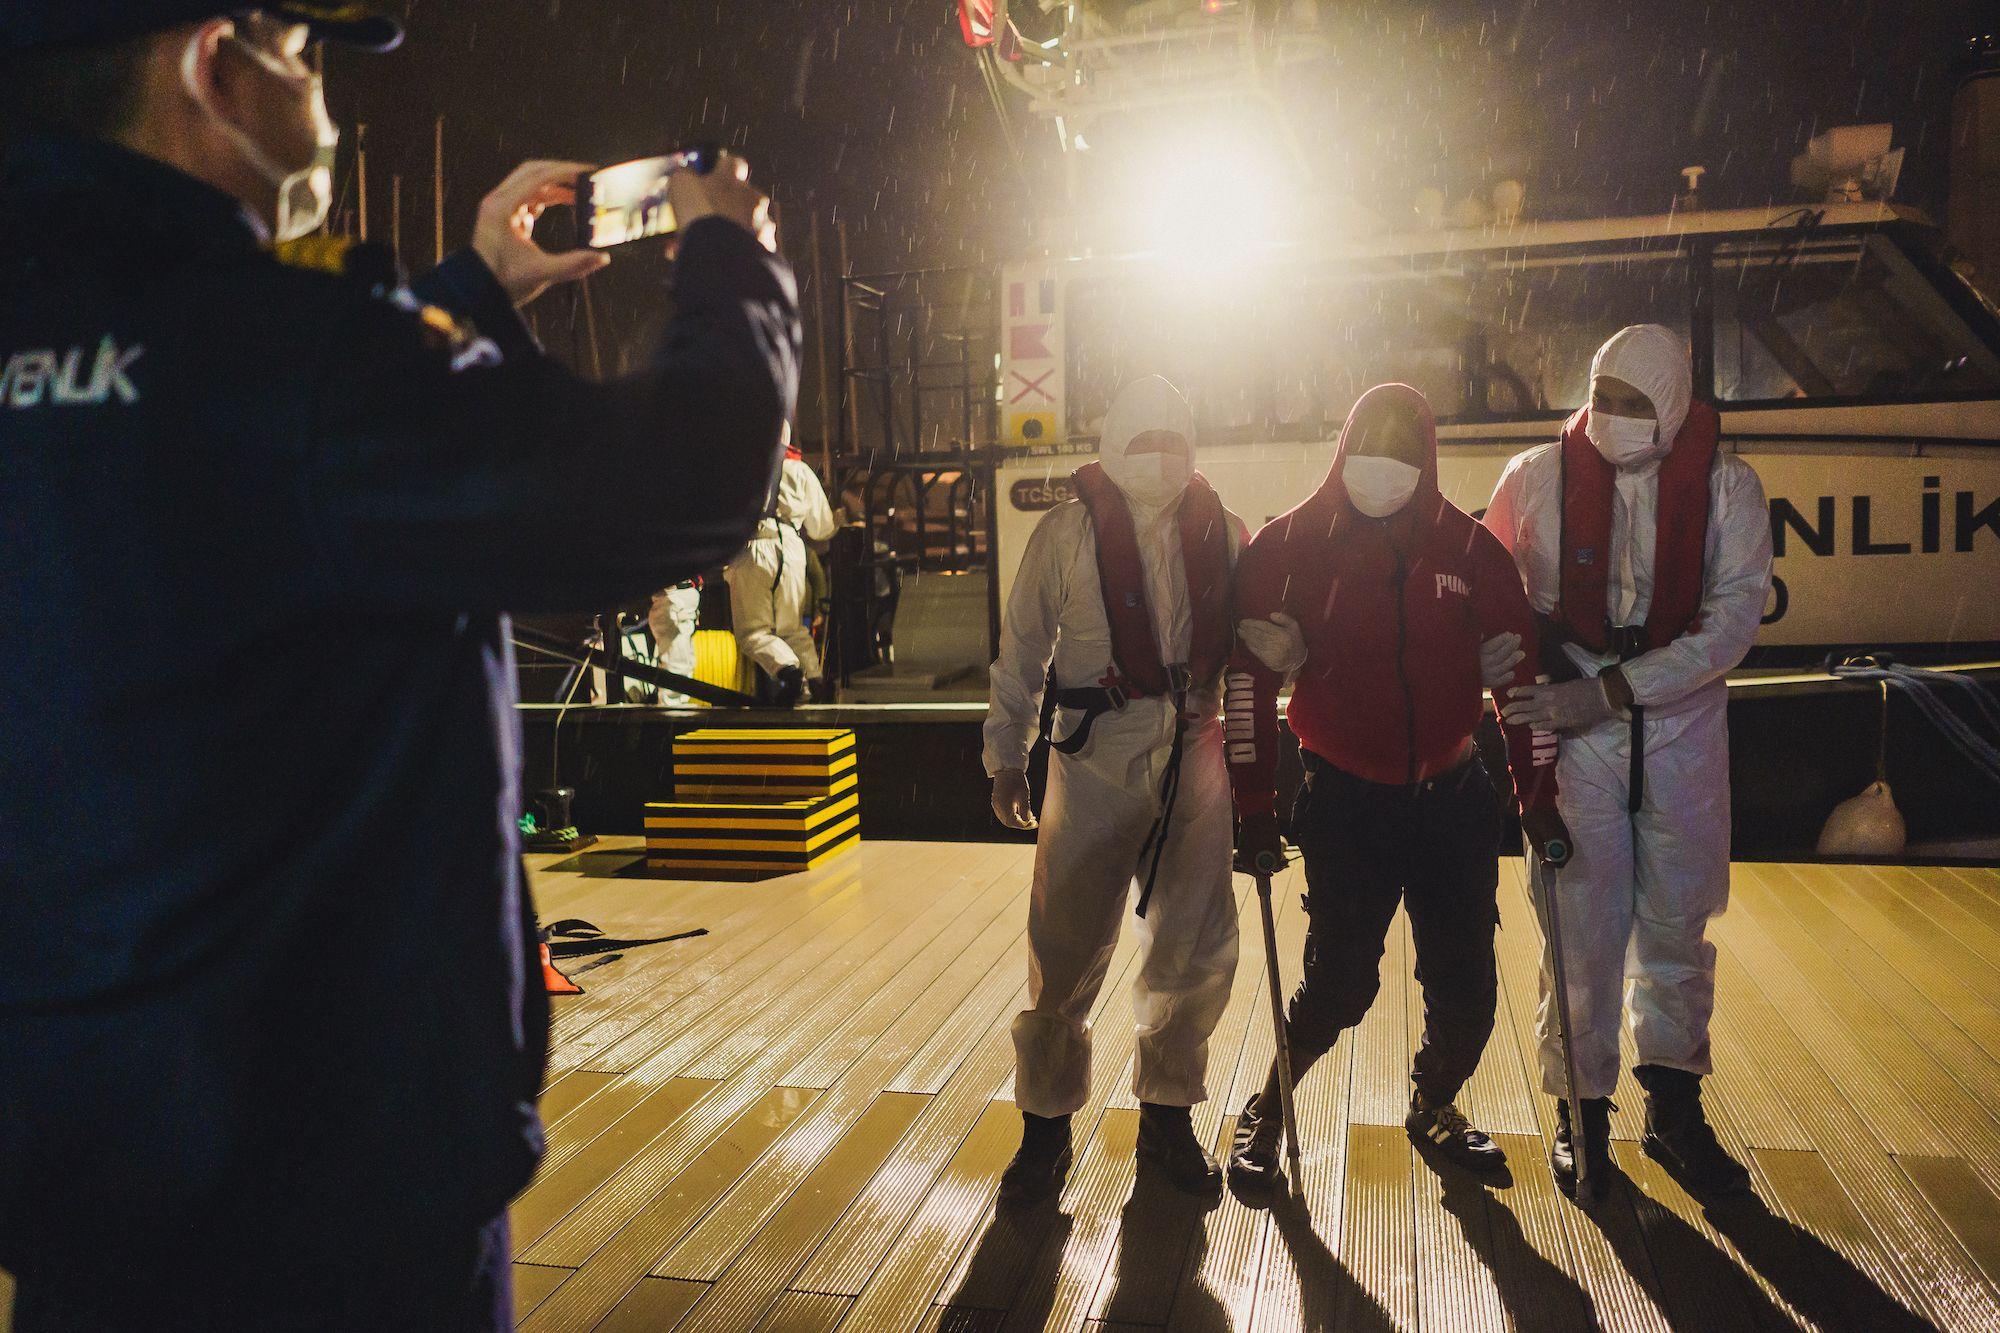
column 873, row 112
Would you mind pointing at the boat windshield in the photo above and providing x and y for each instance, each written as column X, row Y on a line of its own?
column 1840, row 317
column 1493, row 335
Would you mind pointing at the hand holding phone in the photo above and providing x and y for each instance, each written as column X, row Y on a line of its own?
column 725, row 192
column 504, row 232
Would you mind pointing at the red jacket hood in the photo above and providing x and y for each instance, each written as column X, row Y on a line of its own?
column 1423, row 505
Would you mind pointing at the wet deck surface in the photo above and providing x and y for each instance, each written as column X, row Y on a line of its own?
column 797, row 1122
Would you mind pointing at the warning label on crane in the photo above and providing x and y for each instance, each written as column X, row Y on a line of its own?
column 1031, row 355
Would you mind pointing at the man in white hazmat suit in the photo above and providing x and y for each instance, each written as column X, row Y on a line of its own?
column 673, row 618
column 1647, row 553
column 1126, row 588
column 767, row 582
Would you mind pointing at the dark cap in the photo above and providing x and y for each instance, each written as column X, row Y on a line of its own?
column 30, row 25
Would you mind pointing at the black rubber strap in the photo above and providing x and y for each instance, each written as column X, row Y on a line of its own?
column 1094, row 701
column 1170, row 790
column 1636, row 784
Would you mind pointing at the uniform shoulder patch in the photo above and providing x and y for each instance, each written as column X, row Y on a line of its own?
column 315, row 253
column 444, row 332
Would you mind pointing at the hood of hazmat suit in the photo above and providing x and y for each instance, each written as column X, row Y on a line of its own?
column 1147, row 447
column 1654, row 360
column 1652, row 836
column 1103, row 801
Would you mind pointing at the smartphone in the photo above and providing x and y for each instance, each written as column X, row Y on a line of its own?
column 628, row 202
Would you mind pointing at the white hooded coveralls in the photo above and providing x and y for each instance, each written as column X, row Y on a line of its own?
column 767, row 579
column 1636, row 899
column 1102, row 801
column 673, row 618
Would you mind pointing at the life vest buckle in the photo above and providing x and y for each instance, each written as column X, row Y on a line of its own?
column 1115, row 693
column 1626, row 641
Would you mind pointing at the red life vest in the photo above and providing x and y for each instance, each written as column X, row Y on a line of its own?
column 1204, row 529
column 1680, row 538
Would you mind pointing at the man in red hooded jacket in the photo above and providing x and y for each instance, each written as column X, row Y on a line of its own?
column 1378, row 593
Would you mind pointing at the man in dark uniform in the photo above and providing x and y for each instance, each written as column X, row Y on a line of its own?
column 270, row 1032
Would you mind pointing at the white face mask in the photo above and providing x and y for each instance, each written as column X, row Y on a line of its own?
column 1378, row 486
column 306, row 195
column 1624, row 441
column 1151, row 479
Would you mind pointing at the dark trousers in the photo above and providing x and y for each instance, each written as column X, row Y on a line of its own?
column 1435, row 847
column 461, row 1284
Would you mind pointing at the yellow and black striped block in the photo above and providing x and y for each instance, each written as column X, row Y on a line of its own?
column 750, row 839
column 774, row 763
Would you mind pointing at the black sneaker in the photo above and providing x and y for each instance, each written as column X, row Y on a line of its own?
column 1443, row 1129
column 1253, row 1153
column 1167, row 1143
column 1040, row 1165
column 1597, row 1143
column 1678, row 1135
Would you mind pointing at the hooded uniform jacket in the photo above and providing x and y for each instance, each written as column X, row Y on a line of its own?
column 1393, row 612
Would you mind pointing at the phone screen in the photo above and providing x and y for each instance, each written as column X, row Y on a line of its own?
column 628, row 202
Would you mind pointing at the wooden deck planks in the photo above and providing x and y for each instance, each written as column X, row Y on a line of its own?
column 608, row 1273
column 1797, row 917
column 568, row 1091
column 765, row 1259
column 914, row 1279
column 558, row 1189
column 850, row 1097
column 796, row 1124
column 532, row 1285
column 1618, row 1297
column 1965, row 1203
column 1950, row 1083
column 1804, row 1234
column 940, row 1142
column 695, row 987
column 805, row 1312
column 1220, row 1273
column 1831, row 899
column 1153, row 1238
column 824, row 985
column 654, row 1304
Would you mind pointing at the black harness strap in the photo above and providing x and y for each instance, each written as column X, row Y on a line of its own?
column 1170, row 790
column 572, row 938
column 1094, row 701
column 1626, row 642
column 1636, row 783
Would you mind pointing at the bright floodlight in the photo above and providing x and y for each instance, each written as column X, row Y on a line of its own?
column 1212, row 201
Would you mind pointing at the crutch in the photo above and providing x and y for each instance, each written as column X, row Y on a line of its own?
column 1266, row 863
column 1552, row 857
